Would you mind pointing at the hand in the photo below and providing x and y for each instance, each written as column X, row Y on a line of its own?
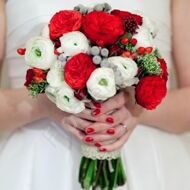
column 122, row 122
column 70, row 122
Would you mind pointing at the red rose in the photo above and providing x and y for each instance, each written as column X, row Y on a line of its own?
column 34, row 75
column 150, row 91
column 29, row 77
column 102, row 28
column 63, row 22
column 163, row 66
column 124, row 15
column 78, row 70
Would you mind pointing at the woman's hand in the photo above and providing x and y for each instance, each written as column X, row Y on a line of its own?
column 113, row 136
column 115, row 122
column 70, row 122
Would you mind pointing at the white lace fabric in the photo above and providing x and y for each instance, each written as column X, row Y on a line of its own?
column 94, row 154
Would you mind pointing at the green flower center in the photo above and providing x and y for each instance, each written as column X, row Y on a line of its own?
column 125, row 67
column 103, row 82
column 66, row 98
column 37, row 52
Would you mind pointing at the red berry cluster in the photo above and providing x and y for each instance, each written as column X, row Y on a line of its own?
column 125, row 41
column 133, row 42
column 142, row 50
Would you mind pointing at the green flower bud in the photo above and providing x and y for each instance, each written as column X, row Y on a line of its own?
column 151, row 65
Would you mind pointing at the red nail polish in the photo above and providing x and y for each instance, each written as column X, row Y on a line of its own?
column 89, row 139
column 97, row 144
column 89, row 130
column 96, row 112
column 109, row 120
column 97, row 104
column 111, row 131
column 103, row 149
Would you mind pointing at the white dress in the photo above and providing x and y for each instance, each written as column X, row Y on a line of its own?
column 43, row 156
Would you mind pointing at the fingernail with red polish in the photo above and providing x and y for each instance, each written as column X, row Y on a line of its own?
column 97, row 144
column 97, row 104
column 89, row 139
column 96, row 112
column 89, row 130
column 111, row 131
column 103, row 149
column 109, row 120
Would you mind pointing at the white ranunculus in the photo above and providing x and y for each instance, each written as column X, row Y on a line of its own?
column 45, row 31
column 51, row 93
column 40, row 53
column 144, row 38
column 66, row 101
column 73, row 43
column 55, row 76
column 125, row 70
column 101, row 84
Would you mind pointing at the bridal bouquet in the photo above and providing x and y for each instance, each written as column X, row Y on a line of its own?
column 90, row 54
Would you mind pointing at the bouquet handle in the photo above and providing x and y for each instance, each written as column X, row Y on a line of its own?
column 101, row 170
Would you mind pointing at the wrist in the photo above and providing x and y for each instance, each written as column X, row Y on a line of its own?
column 45, row 106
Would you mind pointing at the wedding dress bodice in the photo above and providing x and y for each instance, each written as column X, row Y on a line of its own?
column 43, row 156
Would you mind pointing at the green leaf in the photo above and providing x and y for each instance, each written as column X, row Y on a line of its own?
column 37, row 88
column 157, row 53
column 129, row 47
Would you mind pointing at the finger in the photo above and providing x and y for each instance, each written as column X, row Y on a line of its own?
column 93, row 115
column 119, row 116
column 77, row 122
column 76, row 132
column 97, row 127
column 90, row 114
column 114, row 103
column 115, row 118
column 110, row 134
column 94, row 105
column 120, row 142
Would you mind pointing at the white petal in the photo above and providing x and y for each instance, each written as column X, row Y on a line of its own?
column 96, row 89
column 55, row 77
column 40, row 53
column 125, row 70
column 66, row 101
column 73, row 43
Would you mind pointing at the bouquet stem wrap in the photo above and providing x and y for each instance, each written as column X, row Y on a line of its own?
column 99, row 170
